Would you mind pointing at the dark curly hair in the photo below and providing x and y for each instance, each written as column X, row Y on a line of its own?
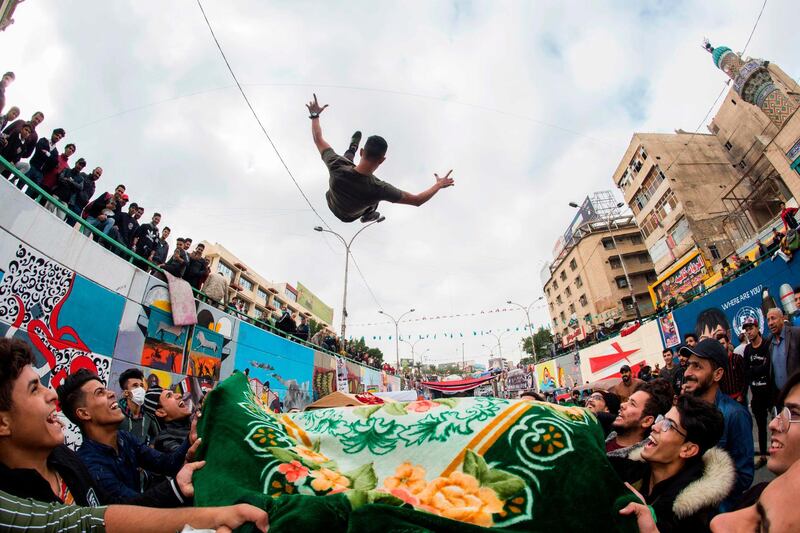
column 70, row 395
column 14, row 356
column 702, row 421
column 660, row 394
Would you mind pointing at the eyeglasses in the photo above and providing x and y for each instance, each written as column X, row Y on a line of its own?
column 784, row 417
column 665, row 424
column 596, row 397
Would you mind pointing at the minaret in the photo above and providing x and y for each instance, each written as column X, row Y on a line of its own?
column 753, row 82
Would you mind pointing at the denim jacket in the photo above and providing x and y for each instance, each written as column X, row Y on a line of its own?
column 737, row 440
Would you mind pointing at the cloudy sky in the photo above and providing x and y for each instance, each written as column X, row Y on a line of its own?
column 531, row 103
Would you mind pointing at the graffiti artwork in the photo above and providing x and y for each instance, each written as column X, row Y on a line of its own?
column 324, row 380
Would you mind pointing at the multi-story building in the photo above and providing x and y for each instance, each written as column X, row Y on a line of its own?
column 258, row 297
column 588, row 286
column 673, row 183
column 764, row 150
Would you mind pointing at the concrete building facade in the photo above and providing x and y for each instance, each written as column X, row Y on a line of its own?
column 587, row 286
column 674, row 184
column 258, row 298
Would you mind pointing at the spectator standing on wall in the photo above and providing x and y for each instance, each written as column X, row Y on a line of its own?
column 30, row 141
column 161, row 248
column 70, row 183
column 14, row 147
column 83, row 197
column 788, row 218
column 50, row 179
column 5, row 81
column 128, row 224
column 197, row 268
column 302, row 329
column 177, row 263
column 13, row 113
column 45, row 158
column 216, row 288
column 145, row 239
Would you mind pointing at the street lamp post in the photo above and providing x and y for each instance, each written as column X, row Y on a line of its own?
column 499, row 347
column 413, row 345
column 347, row 245
column 621, row 260
column 530, row 326
column 396, row 332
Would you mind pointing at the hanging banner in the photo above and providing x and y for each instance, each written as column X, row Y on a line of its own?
column 640, row 348
column 669, row 331
column 749, row 296
column 684, row 278
column 546, row 375
column 341, row 375
column 569, row 370
column 516, row 380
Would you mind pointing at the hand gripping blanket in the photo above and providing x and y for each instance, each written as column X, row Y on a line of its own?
column 455, row 464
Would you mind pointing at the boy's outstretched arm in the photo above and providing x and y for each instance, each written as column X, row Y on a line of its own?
column 424, row 196
column 314, row 110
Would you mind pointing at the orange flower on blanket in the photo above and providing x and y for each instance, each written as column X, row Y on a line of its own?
column 311, row 455
column 293, row 471
column 421, row 406
column 408, row 478
column 325, row 479
column 460, row 497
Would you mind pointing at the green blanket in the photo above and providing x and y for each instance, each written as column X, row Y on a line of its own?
column 456, row 464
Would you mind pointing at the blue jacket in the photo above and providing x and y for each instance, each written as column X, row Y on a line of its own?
column 118, row 473
column 737, row 440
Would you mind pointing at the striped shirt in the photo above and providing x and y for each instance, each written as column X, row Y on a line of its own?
column 22, row 514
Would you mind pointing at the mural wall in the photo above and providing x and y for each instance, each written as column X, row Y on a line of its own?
column 80, row 306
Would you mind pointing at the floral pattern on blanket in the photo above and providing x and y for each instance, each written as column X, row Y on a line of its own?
column 428, row 454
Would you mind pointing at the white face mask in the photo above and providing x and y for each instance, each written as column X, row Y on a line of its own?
column 137, row 396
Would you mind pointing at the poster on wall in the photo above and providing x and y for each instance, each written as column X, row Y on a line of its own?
column 278, row 364
column 749, row 296
column 324, row 380
column 669, row 330
column 640, row 348
column 355, row 382
column 205, row 353
column 546, row 375
column 569, row 370
column 341, row 375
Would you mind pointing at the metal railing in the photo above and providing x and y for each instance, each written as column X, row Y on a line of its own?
column 133, row 256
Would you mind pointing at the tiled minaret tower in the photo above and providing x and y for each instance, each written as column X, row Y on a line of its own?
column 753, row 82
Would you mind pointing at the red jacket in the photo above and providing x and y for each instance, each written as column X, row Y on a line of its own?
column 50, row 179
column 787, row 215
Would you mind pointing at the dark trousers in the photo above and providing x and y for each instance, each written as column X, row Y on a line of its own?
column 761, row 405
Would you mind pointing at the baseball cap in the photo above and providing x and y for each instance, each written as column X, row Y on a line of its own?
column 624, row 368
column 749, row 321
column 710, row 349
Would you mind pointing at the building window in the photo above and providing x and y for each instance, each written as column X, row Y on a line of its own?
column 578, row 282
column 742, row 164
column 614, row 262
column 651, row 277
column 664, row 207
column 290, row 295
column 555, row 284
column 246, row 283
column 636, row 239
column 728, row 146
column 625, row 180
column 643, row 153
column 582, row 300
column 573, row 265
column 654, row 178
column 547, row 291
column 567, row 292
column 588, row 318
column 225, row 270
column 558, row 299
column 622, row 282
column 563, row 318
column 563, row 276
column 712, row 248
column 637, row 166
column 259, row 313
column 608, row 244
column 644, row 258
column 263, row 295
column 277, row 303
column 572, row 308
column 551, row 306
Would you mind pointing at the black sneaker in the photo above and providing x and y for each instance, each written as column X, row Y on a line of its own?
column 369, row 217
column 355, row 140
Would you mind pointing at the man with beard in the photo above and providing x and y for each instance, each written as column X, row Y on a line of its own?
column 632, row 425
column 628, row 385
column 708, row 362
column 784, row 349
column 680, row 473
column 689, row 340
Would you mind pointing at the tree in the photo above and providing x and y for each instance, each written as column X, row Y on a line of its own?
column 376, row 354
column 542, row 339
